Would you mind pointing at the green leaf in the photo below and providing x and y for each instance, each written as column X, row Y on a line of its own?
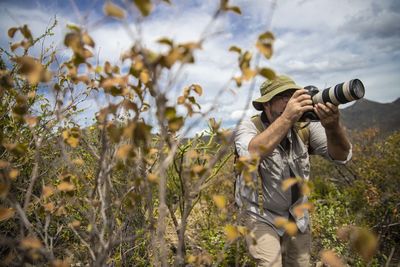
column 267, row 73
column 266, row 35
column 235, row 49
column 234, row 9
column 166, row 41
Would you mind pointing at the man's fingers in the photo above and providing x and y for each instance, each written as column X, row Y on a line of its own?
column 333, row 107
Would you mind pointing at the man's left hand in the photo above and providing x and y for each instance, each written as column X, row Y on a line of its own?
column 328, row 114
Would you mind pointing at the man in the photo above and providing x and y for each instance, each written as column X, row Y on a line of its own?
column 284, row 154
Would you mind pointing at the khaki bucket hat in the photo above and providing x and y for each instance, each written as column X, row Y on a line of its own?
column 271, row 88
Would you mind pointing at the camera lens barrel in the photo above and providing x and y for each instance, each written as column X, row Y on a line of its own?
column 341, row 93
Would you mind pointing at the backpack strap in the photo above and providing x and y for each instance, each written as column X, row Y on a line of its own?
column 303, row 131
column 256, row 120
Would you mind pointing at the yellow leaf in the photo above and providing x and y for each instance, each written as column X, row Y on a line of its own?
column 49, row 207
column 243, row 230
column 280, row 222
column 197, row 88
column 220, row 201
column 181, row 100
column 305, row 189
column 153, row 178
column 299, row 209
column 6, row 213
column 197, row 168
column 123, row 151
column 144, row 6
column 265, row 49
column 65, row 134
column 4, row 189
column 248, row 74
column 87, row 39
column 66, row 186
column 144, row 76
column 330, row 258
column 4, row 164
column 78, row 161
column 75, row 224
column 291, row 228
column 191, row 259
column 72, row 141
column 192, row 154
column 31, row 120
column 47, row 191
column 231, row 233
column 31, row 243
column 13, row 174
column 113, row 10
column 287, row 183
column 61, row 263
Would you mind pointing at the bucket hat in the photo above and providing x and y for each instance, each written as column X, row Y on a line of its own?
column 271, row 88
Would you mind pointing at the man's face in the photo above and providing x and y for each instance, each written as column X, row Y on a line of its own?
column 275, row 107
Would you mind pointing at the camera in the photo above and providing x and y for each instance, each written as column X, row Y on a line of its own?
column 339, row 94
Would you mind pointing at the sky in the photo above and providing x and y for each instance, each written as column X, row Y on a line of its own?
column 318, row 42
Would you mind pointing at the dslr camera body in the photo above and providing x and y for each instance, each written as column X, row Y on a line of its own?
column 339, row 94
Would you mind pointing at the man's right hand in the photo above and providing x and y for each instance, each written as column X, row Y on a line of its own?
column 299, row 103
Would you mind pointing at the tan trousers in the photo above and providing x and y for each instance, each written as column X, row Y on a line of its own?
column 270, row 249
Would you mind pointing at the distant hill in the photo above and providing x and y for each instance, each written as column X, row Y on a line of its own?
column 366, row 114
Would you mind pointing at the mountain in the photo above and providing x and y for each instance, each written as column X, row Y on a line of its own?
column 369, row 114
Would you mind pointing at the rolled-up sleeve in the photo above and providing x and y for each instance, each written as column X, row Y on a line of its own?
column 243, row 135
column 319, row 144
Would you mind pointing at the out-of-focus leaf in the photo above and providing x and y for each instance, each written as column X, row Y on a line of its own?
column 287, row 183
column 50, row 207
column 4, row 189
column 166, row 41
column 330, row 258
column 47, row 191
column 176, row 123
column 66, row 187
column 152, row 177
column 290, row 228
column 87, row 39
column 267, row 73
column 235, row 49
column 113, row 10
column 197, row 88
column 26, row 32
column 234, row 9
column 144, row 6
column 181, row 99
column 280, row 222
column 31, row 243
column 231, row 232
column 6, row 213
column 266, row 36
column 11, row 32
column 220, row 201
column 124, row 151
column 13, row 174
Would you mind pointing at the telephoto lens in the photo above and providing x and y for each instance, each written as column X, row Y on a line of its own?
column 341, row 93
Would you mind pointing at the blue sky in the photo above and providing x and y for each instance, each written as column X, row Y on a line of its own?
column 319, row 42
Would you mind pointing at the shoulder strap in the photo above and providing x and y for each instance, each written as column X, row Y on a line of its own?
column 303, row 131
column 256, row 120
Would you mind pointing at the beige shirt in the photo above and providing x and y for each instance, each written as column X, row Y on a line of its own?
column 273, row 169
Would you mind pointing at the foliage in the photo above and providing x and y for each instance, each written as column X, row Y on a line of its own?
column 130, row 189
